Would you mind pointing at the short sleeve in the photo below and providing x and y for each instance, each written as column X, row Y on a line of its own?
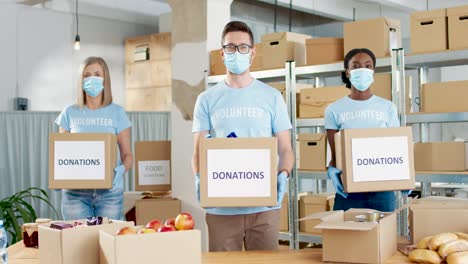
column 122, row 121
column 63, row 119
column 280, row 120
column 330, row 120
column 393, row 120
column 201, row 116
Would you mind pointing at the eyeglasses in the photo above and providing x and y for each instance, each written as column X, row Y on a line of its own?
column 230, row 48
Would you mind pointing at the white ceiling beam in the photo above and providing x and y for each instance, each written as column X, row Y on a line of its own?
column 405, row 5
column 335, row 9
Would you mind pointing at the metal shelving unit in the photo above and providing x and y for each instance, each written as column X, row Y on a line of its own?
column 397, row 64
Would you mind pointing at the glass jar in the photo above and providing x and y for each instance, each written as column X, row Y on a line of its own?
column 30, row 235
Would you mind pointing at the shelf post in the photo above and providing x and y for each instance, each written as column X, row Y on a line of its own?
column 424, row 128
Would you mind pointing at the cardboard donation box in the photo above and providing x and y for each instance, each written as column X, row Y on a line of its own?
column 238, row 172
column 441, row 156
column 429, row 31
column 312, row 151
column 153, row 166
column 165, row 247
column 375, row 159
column 386, row 35
column 314, row 101
column 311, row 204
column 158, row 208
column 444, row 97
column 458, row 27
column 434, row 215
column 324, row 50
column 82, row 160
column 280, row 47
column 76, row 245
column 346, row 240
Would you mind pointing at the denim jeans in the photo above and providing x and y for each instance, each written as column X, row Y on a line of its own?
column 79, row 204
column 381, row 201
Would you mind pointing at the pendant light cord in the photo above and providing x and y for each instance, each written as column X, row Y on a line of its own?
column 76, row 13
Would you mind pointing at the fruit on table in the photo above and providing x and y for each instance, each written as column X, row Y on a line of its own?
column 440, row 239
column 146, row 231
column 125, row 231
column 462, row 235
column 424, row 256
column 423, row 243
column 184, row 221
column 167, row 228
column 452, row 247
column 458, row 258
column 154, row 224
column 170, row 221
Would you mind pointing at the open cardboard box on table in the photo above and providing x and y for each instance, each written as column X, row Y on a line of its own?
column 346, row 240
column 238, row 172
column 165, row 247
column 82, row 160
column 76, row 245
column 375, row 159
column 433, row 215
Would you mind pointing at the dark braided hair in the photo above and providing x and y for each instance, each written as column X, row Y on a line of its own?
column 348, row 57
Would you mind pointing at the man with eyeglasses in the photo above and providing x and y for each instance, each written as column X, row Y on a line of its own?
column 249, row 108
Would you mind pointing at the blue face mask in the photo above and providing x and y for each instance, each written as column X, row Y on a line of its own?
column 93, row 85
column 361, row 78
column 236, row 62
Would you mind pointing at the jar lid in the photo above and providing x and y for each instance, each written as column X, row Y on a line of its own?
column 43, row 220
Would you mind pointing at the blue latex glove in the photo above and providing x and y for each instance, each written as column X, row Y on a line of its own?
column 197, row 186
column 281, row 187
column 406, row 192
column 119, row 171
column 334, row 175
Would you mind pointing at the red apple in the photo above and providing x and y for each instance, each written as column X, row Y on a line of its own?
column 167, row 228
column 184, row 221
column 146, row 231
column 125, row 231
column 170, row 221
column 154, row 224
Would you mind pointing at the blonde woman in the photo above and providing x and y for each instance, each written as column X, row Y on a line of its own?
column 95, row 113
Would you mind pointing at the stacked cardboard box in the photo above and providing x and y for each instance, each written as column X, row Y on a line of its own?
column 444, row 97
column 311, row 204
column 441, row 156
column 386, row 35
column 429, row 31
column 458, row 27
column 314, row 101
column 312, row 151
column 148, row 82
column 281, row 47
column 324, row 50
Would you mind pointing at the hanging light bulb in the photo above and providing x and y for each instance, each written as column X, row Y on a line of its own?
column 77, row 42
column 77, row 37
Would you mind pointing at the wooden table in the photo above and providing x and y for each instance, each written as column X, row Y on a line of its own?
column 18, row 254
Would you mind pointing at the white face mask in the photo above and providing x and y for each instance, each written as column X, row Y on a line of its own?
column 361, row 78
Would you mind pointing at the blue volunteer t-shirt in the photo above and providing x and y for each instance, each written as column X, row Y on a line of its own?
column 257, row 110
column 108, row 119
column 375, row 112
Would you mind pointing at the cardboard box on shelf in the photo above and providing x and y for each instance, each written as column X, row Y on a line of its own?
column 311, row 204
column 441, row 156
column 284, row 214
column 165, row 247
column 82, row 160
column 433, row 215
column 457, row 27
column 74, row 245
column 444, row 97
column 153, row 166
column 238, row 172
column 345, row 240
column 257, row 63
column 375, row 159
column 312, row 151
column 386, row 35
column 216, row 63
column 324, row 50
column 283, row 46
column 314, row 101
column 156, row 208
column 429, row 31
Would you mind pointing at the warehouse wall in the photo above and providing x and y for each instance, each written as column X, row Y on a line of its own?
column 40, row 61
